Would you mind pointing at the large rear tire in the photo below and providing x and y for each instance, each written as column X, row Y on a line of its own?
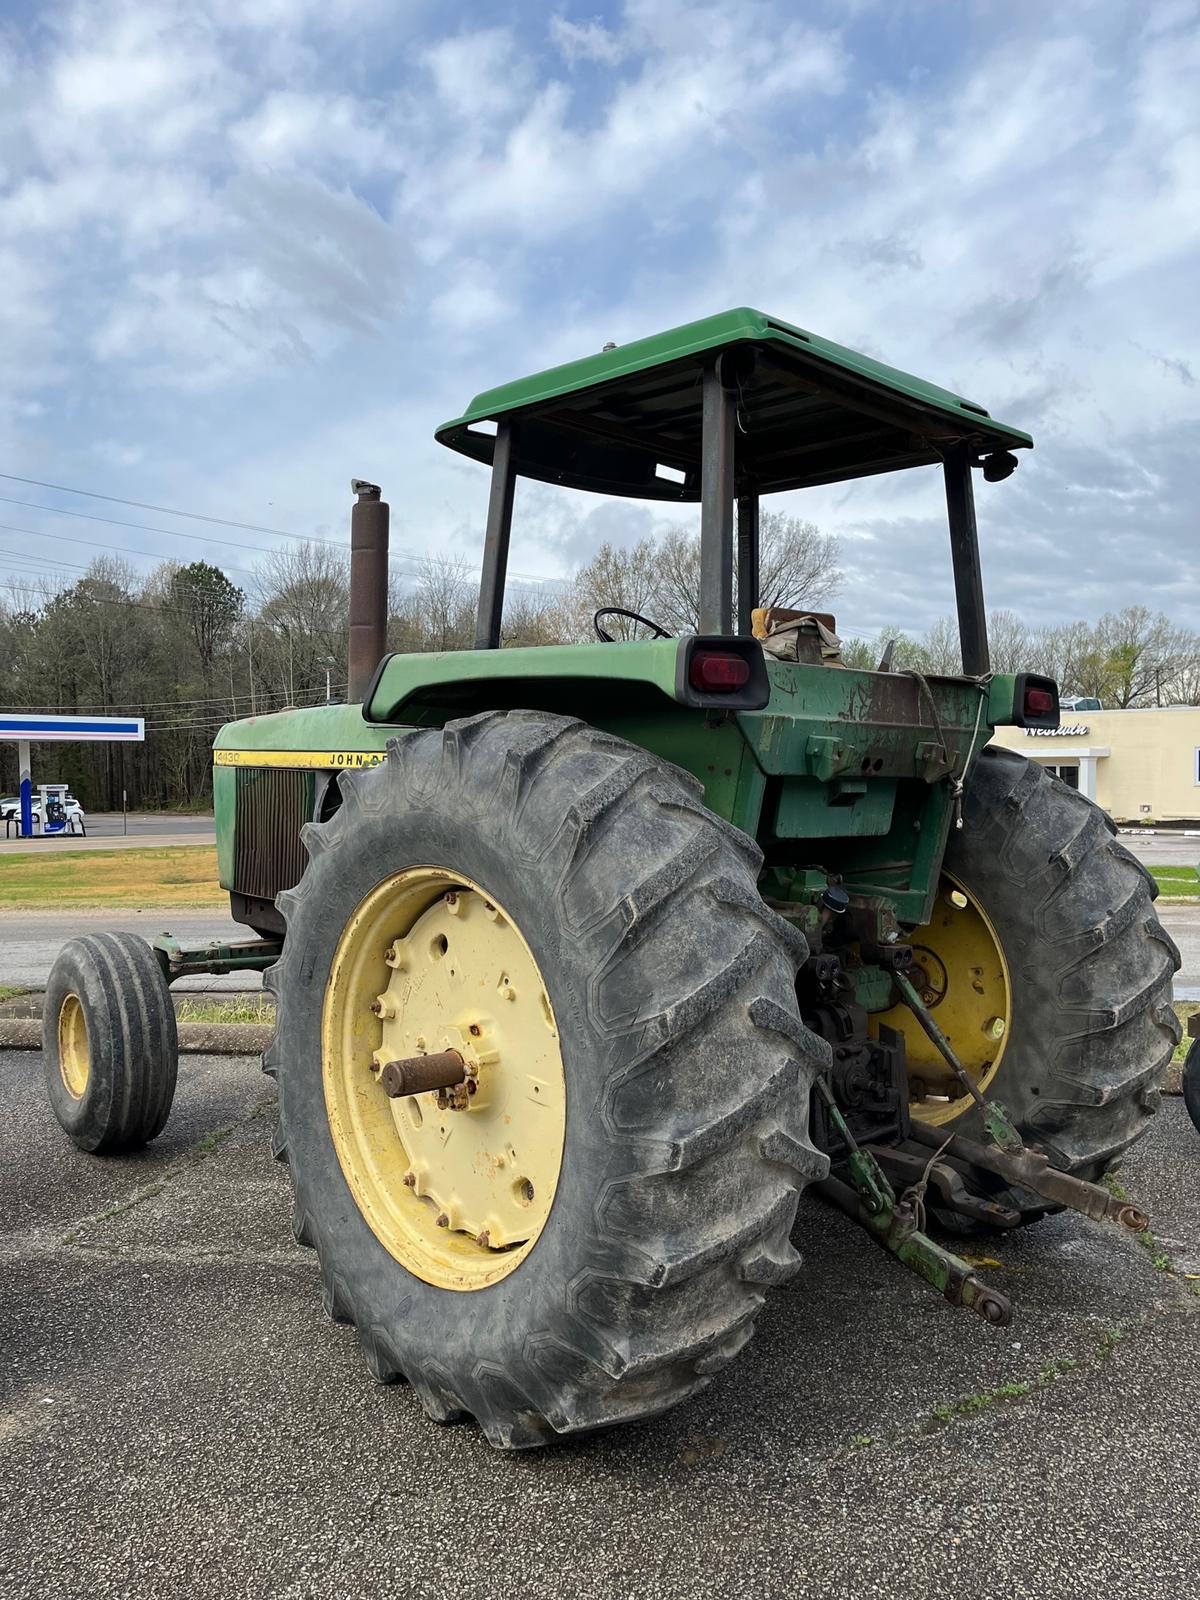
column 685, row 1075
column 1089, row 1028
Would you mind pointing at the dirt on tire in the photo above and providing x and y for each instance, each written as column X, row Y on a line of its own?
column 1090, row 967
column 688, row 1075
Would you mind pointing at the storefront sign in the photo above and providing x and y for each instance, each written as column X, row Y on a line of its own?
column 1072, row 730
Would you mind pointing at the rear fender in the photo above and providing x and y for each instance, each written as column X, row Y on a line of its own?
column 580, row 680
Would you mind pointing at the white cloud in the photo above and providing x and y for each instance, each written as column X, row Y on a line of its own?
column 554, row 169
column 478, row 76
column 279, row 240
column 292, row 128
column 586, row 41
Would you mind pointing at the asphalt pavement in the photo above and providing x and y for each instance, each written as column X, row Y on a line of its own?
column 30, row 941
column 1164, row 849
column 109, row 830
column 178, row 1416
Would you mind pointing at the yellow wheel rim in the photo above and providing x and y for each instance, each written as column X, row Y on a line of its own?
column 456, row 1186
column 960, row 973
column 74, row 1057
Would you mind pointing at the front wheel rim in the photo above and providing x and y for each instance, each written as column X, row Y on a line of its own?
column 74, row 1054
column 456, row 1186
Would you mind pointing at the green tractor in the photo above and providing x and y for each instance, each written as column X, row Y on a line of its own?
column 591, row 959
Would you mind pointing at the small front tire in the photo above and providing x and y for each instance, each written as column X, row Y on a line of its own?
column 109, row 1042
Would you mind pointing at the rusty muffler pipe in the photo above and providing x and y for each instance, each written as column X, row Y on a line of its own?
column 420, row 1074
column 368, row 586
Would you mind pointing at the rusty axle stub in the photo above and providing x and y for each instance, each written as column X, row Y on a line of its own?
column 420, row 1074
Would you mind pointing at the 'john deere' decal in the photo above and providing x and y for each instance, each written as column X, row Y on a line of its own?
column 297, row 758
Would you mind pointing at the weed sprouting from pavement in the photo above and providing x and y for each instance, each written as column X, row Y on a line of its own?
column 1109, row 1340
column 1056, row 1368
column 1160, row 1258
column 199, row 1152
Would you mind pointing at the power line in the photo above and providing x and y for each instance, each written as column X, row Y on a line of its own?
column 172, row 533
column 129, row 705
column 224, row 522
column 141, row 505
column 92, row 599
column 94, row 544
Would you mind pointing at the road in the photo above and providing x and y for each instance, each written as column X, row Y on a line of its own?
column 1164, row 849
column 110, row 830
column 178, row 1416
column 30, row 940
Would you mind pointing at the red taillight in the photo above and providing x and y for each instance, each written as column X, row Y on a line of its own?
column 716, row 672
column 1039, row 703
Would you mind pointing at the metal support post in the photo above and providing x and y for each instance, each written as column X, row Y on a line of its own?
column 25, row 788
column 496, row 538
column 964, row 552
column 716, row 505
column 747, row 561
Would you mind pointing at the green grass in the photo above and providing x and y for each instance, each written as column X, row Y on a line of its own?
column 1177, row 883
column 178, row 875
column 246, row 1008
column 11, row 991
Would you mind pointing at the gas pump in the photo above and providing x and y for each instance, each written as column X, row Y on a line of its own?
column 54, row 811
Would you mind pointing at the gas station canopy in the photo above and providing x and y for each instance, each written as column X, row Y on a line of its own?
column 27, row 730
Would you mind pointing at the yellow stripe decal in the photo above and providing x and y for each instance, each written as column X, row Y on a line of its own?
column 297, row 758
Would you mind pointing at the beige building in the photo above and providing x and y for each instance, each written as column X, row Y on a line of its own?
column 1141, row 766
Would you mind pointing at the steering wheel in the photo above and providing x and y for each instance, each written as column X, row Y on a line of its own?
column 634, row 616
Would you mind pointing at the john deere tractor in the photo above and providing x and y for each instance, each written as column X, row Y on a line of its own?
column 591, row 959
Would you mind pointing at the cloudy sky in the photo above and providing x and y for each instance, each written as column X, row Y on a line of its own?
column 250, row 248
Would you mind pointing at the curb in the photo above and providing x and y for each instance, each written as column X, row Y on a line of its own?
column 195, row 1038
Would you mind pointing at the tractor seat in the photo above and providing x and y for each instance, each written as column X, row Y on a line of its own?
column 808, row 636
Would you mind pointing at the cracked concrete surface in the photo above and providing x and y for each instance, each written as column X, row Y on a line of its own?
column 178, row 1417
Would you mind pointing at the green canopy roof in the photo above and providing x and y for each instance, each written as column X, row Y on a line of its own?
column 628, row 421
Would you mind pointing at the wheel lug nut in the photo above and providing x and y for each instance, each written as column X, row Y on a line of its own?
column 443, row 1220
column 410, row 1180
column 483, row 1238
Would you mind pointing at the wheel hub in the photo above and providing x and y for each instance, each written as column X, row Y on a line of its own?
column 74, row 1056
column 961, row 974
column 457, row 1181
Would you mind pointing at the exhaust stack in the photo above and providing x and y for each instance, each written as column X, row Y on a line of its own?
column 369, row 522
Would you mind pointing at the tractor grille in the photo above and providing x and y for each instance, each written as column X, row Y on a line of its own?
column 273, row 804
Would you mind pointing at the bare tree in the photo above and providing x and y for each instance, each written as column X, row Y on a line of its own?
column 1009, row 643
column 445, row 594
column 940, row 648
column 301, row 628
column 617, row 575
column 535, row 615
column 677, row 581
column 798, row 564
column 797, row 568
